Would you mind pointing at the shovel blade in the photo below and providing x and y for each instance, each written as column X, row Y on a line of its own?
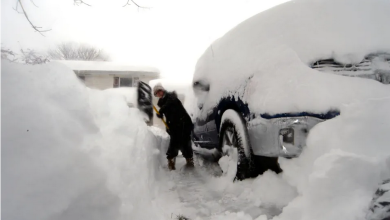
column 144, row 99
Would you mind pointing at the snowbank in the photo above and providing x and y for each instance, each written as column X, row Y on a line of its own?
column 265, row 60
column 128, row 153
column 72, row 153
column 346, row 161
column 343, row 165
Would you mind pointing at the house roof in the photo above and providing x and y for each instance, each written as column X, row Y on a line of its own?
column 102, row 67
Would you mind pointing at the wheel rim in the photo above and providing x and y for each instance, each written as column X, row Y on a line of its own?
column 229, row 138
column 233, row 150
column 229, row 151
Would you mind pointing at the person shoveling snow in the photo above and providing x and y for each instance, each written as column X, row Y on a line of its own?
column 179, row 125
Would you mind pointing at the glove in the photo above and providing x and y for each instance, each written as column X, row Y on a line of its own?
column 159, row 116
column 168, row 131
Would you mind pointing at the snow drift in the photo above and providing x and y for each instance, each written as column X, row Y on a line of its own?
column 345, row 162
column 72, row 153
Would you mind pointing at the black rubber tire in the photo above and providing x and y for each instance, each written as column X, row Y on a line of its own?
column 245, row 163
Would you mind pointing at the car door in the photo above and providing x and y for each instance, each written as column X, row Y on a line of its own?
column 211, row 128
column 201, row 132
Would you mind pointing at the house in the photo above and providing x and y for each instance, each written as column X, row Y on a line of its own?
column 104, row 75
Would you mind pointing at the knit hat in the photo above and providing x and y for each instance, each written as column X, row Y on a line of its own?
column 157, row 87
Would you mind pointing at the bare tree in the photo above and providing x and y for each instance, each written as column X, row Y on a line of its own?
column 8, row 54
column 128, row 3
column 73, row 51
column 26, row 56
column 19, row 3
column 32, row 57
column 36, row 28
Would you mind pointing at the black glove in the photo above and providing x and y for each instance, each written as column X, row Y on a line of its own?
column 159, row 115
column 168, row 131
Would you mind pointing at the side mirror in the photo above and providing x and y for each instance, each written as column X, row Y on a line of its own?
column 144, row 99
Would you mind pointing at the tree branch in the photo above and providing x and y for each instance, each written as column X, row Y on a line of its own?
column 7, row 53
column 34, row 3
column 76, row 2
column 17, row 8
column 80, row 2
column 32, row 25
column 128, row 3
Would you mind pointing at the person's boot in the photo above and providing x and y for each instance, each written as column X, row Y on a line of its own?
column 190, row 162
column 171, row 164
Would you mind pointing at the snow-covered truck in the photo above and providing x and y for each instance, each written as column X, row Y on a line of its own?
column 266, row 83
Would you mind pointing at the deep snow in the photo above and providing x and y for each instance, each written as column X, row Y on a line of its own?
column 69, row 152
column 72, row 153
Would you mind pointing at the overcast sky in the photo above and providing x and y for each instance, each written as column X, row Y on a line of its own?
column 170, row 35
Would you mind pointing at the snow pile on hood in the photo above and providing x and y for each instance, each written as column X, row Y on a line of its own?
column 71, row 153
column 265, row 60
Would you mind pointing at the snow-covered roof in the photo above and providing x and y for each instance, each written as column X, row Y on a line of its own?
column 266, row 59
column 105, row 66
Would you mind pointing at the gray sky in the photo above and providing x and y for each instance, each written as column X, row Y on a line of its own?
column 171, row 35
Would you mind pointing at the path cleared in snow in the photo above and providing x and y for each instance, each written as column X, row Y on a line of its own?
column 206, row 193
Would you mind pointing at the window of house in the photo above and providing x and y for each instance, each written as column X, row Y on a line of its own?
column 123, row 82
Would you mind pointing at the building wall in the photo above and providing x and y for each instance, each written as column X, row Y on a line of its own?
column 99, row 82
column 107, row 81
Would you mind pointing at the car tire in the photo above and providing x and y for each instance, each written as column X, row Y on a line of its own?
column 234, row 133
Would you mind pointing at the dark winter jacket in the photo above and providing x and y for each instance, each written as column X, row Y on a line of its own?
column 177, row 117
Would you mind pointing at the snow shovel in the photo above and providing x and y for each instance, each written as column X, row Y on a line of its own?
column 144, row 99
column 155, row 109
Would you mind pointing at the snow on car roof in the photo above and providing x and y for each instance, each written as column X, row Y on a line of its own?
column 265, row 60
column 109, row 66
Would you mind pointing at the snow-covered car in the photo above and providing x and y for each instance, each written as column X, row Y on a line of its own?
column 265, row 84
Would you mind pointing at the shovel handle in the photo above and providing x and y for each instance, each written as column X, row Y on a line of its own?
column 155, row 109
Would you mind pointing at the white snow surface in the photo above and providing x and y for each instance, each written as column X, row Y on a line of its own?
column 347, row 158
column 69, row 152
column 72, row 153
column 265, row 60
